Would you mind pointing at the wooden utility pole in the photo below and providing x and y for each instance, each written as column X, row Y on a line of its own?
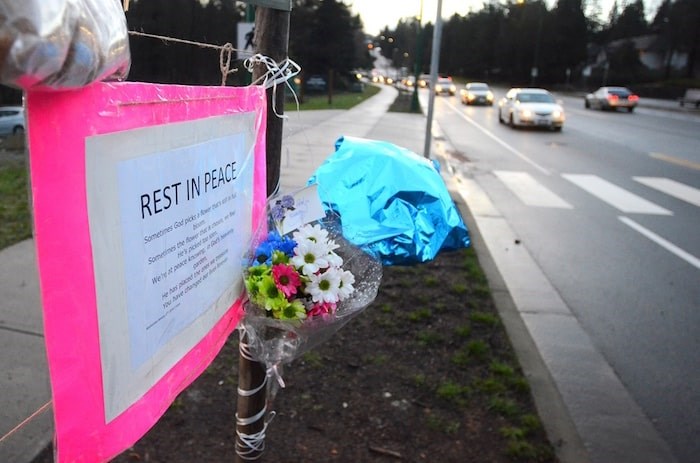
column 272, row 40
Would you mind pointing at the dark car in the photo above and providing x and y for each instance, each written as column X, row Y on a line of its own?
column 476, row 93
column 316, row 84
column 612, row 98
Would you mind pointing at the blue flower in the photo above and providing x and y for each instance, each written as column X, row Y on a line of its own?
column 274, row 242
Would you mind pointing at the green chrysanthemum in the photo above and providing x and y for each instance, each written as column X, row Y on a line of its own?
column 293, row 311
column 279, row 257
column 273, row 299
column 257, row 272
column 254, row 277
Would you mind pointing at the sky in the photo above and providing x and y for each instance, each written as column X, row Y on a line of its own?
column 376, row 14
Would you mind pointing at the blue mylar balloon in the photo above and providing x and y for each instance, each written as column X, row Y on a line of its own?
column 392, row 203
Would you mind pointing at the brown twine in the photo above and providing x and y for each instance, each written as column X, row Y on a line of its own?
column 41, row 410
column 224, row 56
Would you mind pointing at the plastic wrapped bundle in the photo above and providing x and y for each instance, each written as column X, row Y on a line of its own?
column 303, row 283
column 393, row 203
column 62, row 44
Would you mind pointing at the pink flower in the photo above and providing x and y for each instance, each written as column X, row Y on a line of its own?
column 322, row 308
column 286, row 279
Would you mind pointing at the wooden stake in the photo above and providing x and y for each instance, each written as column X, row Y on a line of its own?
column 272, row 40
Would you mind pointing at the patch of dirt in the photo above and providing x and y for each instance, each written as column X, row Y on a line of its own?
column 424, row 374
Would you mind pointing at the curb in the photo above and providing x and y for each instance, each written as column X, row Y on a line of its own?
column 551, row 408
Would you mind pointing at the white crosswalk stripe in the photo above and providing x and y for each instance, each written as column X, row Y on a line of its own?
column 686, row 256
column 530, row 191
column 673, row 188
column 617, row 197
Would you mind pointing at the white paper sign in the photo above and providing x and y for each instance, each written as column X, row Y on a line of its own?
column 170, row 211
column 178, row 211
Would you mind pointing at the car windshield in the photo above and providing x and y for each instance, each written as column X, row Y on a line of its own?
column 478, row 87
column 535, row 98
column 619, row 91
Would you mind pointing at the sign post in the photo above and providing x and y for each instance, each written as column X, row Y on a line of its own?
column 272, row 40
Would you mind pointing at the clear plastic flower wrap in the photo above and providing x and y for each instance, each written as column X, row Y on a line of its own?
column 303, row 279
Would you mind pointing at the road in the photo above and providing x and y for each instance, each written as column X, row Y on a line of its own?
column 610, row 211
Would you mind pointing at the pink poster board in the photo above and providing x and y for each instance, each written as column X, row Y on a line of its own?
column 62, row 127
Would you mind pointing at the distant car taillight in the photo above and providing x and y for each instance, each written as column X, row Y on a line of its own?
column 633, row 98
column 612, row 98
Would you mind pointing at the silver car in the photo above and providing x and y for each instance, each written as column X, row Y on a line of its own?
column 611, row 98
column 533, row 107
column 11, row 120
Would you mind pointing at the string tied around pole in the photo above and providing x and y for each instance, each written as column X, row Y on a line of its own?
column 275, row 75
column 251, row 446
column 272, row 372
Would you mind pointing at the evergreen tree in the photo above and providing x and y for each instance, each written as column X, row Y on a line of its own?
column 630, row 23
column 569, row 37
column 325, row 37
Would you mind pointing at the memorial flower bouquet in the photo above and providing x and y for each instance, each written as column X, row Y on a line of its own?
column 300, row 276
column 303, row 280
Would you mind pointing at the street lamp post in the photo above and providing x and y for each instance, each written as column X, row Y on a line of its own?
column 535, row 61
column 418, row 62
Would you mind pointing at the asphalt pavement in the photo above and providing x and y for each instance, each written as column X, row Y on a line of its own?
column 26, row 425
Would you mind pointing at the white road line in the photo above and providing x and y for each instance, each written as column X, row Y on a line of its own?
column 620, row 199
column 673, row 188
column 498, row 140
column 530, row 191
column 686, row 256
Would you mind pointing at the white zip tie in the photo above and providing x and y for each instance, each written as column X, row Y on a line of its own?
column 275, row 75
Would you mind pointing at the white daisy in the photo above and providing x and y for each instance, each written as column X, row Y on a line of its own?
column 334, row 260
column 310, row 257
column 323, row 287
column 310, row 232
column 346, row 288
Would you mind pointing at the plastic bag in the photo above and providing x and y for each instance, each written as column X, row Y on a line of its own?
column 393, row 203
column 62, row 44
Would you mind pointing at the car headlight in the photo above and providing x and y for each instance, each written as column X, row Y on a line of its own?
column 526, row 114
column 556, row 114
column 489, row 96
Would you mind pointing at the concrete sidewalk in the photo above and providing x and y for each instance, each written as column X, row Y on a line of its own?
column 309, row 139
column 24, row 381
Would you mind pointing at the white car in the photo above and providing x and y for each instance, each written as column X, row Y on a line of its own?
column 11, row 120
column 531, row 107
column 445, row 85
